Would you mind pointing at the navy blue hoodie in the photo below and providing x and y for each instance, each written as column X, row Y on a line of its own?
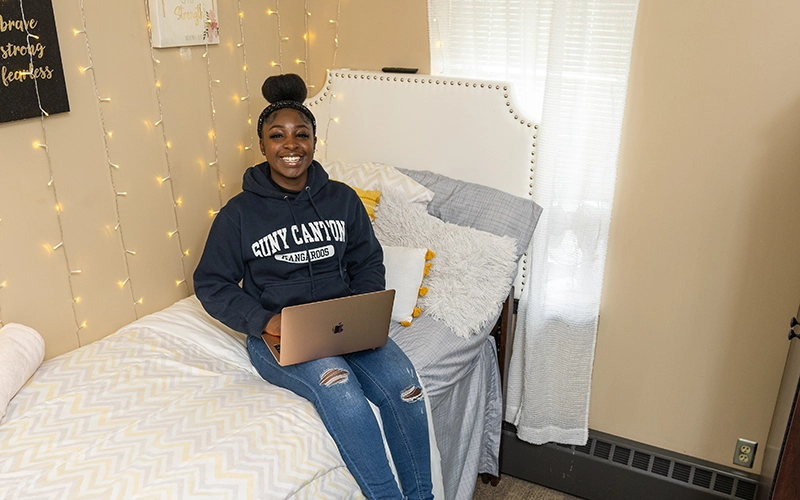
column 263, row 238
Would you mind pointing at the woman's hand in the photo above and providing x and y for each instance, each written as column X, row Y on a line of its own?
column 274, row 326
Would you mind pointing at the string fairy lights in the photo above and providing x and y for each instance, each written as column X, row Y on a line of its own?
column 335, row 22
column 246, row 97
column 125, row 248
column 176, row 203
column 331, row 119
column 117, row 194
column 51, row 185
column 213, row 133
column 306, row 36
column 327, row 92
column 438, row 46
column 281, row 39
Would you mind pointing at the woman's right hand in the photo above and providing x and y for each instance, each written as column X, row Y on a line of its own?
column 274, row 326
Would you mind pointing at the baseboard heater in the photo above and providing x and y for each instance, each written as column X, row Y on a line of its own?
column 613, row 468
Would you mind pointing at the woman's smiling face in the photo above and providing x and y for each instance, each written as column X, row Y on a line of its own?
column 288, row 145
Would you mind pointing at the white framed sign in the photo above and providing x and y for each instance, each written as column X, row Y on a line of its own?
column 177, row 23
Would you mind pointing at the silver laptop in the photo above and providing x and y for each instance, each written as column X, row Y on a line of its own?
column 332, row 327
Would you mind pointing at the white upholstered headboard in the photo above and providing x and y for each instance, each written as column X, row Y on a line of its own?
column 470, row 130
column 466, row 129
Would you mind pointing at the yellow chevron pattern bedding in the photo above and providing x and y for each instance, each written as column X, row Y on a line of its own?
column 145, row 415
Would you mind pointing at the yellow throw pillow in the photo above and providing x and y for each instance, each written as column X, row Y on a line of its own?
column 369, row 198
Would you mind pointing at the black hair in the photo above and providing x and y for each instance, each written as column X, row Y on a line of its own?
column 288, row 87
column 285, row 91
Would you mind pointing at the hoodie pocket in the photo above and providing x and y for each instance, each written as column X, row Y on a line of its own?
column 278, row 295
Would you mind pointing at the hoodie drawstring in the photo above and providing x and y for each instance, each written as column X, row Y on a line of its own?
column 305, row 244
column 316, row 210
column 308, row 254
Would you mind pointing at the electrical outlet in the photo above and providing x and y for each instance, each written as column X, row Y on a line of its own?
column 745, row 453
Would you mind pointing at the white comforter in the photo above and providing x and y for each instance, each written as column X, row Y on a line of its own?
column 167, row 407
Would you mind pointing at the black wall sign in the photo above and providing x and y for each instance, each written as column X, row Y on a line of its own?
column 28, row 62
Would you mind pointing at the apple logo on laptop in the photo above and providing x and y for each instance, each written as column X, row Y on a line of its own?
column 338, row 328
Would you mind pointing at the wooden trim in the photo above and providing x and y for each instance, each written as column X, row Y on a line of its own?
column 506, row 340
column 503, row 333
column 786, row 485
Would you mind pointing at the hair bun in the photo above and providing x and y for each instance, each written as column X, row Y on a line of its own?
column 287, row 87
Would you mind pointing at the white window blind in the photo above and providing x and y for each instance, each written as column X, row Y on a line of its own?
column 494, row 39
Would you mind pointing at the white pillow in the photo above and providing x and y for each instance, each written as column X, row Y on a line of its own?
column 405, row 269
column 473, row 272
column 21, row 353
column 380, row 177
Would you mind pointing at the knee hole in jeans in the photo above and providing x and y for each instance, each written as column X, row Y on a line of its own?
column 411, row 394
column 333, row 376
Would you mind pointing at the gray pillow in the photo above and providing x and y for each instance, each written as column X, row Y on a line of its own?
column 480, row 207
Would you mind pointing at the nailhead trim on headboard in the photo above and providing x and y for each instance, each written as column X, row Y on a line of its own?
column 438, row 81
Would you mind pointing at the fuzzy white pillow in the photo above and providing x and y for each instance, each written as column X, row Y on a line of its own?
column 405, row 270
column 473, row 272
column 378, row 177
column 21, row 353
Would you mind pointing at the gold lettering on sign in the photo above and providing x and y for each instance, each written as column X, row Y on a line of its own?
column 8, row 77
column 31, row 51
column 195, row 14
column 17, row 24
column 10, row 50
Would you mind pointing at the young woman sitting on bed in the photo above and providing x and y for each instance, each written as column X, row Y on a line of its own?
column 283, row 198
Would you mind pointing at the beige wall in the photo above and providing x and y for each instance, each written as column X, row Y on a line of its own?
column 703, row 270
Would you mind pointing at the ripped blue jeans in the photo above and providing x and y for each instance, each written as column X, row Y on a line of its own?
column 339, row 388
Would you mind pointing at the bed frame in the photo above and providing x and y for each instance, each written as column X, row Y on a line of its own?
column 497, row 145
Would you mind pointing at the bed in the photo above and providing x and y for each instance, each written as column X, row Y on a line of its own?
column 169, row 405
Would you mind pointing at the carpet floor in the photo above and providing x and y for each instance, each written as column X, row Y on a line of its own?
column 511, row 488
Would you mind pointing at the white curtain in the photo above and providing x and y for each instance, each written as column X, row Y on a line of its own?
column 568, row 61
